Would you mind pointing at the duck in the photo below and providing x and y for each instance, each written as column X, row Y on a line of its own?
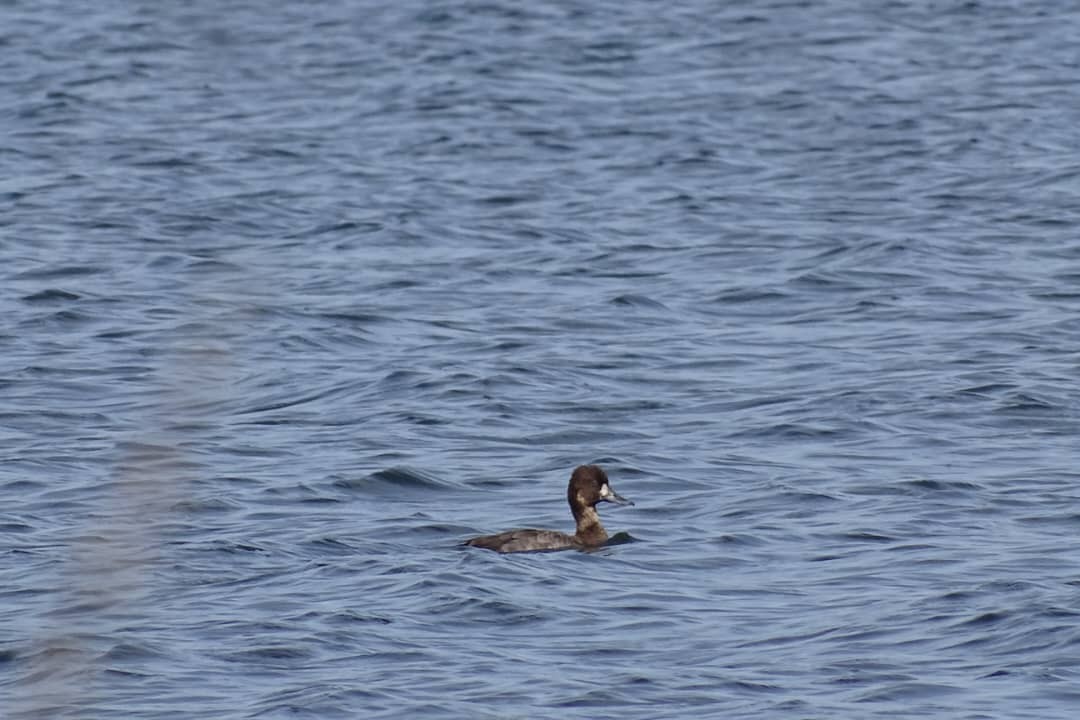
column 588, row 487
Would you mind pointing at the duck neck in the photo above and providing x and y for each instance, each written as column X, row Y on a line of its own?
column 589, row 529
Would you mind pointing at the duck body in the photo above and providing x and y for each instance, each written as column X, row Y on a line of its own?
column 525, row 540
column 588, row 486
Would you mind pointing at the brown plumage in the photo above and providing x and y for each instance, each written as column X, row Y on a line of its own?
column 588, row 486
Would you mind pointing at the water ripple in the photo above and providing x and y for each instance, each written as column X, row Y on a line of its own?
column 299, row 298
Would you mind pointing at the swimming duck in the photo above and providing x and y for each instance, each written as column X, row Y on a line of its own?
column 588, row 486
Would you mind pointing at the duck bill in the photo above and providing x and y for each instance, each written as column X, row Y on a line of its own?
column 614, row 497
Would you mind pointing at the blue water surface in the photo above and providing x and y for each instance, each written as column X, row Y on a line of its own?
column 298, row 296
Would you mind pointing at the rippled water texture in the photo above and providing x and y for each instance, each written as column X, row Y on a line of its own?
column 298, row 296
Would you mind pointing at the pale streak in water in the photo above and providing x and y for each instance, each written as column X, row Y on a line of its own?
column 113, row 554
